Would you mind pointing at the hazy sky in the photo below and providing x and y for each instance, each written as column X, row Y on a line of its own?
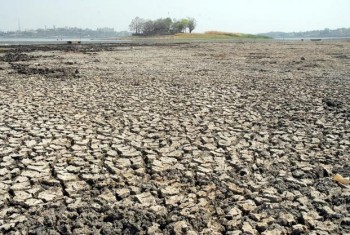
column 246, row 16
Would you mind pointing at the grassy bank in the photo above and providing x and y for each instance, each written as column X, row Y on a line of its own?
column 218, row 35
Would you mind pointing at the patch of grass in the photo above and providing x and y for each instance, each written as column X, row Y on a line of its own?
column 217, row 35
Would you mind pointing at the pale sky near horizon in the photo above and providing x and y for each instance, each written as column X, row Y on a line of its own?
column 245, row 16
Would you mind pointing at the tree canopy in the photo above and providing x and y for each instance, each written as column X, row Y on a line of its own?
column 162, row 26
column 136, row 25
column 191, row 25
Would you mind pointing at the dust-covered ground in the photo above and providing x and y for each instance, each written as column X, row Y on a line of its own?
column 197, row 138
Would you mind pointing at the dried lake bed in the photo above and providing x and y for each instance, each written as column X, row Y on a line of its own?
column 187, row 138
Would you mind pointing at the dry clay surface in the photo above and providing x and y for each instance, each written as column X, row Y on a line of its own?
column 200, row 138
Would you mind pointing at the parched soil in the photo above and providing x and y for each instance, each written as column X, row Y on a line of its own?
column 196, row 138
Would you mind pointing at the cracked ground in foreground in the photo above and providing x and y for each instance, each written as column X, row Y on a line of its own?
column 200, row 138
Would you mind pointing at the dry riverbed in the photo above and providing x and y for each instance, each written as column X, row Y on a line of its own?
column 198, row 138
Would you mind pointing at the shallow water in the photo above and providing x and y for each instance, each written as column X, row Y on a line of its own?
column 32, row 41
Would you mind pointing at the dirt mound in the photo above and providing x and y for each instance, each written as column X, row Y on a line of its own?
column 46, row 71
column 14, row 57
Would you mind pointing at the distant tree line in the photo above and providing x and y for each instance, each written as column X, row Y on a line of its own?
column 341, row 32
column 162, row 26
column 66, row 32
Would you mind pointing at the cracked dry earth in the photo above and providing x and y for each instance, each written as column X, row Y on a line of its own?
column 199, row 138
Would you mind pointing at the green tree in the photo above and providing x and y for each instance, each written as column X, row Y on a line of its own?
column 184, row 24
column 179, row 26
column 148, row 27
column 191, row 25
column 162, row 25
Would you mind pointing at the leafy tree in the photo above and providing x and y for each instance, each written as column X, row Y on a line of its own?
column 176, row 27
column 148, row 27
column 180, row 26
column 137, row 25
column 191, row 24
column 184, row 24
column 162, row 25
